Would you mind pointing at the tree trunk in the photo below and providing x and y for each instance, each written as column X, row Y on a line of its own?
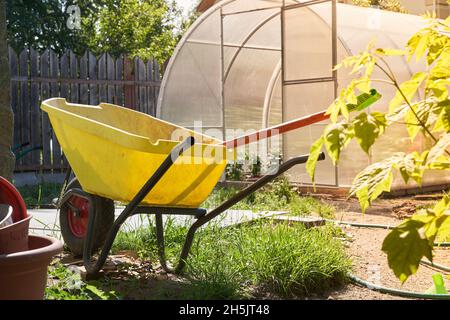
column 6, row 114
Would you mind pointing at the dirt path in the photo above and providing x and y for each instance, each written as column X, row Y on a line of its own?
column 369, row 262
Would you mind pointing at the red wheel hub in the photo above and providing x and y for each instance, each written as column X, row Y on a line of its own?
column 78, row 215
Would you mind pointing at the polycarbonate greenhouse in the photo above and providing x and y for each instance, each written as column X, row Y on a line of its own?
column 250, row 64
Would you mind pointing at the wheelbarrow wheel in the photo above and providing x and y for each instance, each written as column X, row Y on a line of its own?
column 74, row 216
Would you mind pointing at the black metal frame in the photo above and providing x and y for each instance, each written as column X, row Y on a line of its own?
column 134, row 207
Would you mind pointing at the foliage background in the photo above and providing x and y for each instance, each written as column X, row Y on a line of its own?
column 144, row 28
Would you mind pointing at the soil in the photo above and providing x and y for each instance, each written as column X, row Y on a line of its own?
column 137, row 280
column 364, row 247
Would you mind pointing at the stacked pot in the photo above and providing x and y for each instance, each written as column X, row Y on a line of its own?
column 24, row 258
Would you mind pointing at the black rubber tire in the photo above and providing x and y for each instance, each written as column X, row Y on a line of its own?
column 104, row 210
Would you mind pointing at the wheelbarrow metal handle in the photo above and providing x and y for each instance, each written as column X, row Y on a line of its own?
column 364, row 101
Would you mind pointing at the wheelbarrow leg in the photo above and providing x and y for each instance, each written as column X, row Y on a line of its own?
column 231, row 202
column 129, row 210
column 159, row 227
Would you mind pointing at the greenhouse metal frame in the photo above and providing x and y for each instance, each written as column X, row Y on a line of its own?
column 250, row 64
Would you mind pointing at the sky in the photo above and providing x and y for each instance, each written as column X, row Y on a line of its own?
column 186, row 4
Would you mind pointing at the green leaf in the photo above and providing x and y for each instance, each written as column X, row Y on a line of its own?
column 405, row 247
column 441, row 68
column 314, row 153
column 442, row 206
column 412, row 45
column 422, row 46
column 443, row 234
column 411, row 167
column 438, row 149
column 443, row 120
column 336, row 138
column 99, row 293
column 409, row 90
column 377, row 178
column 368, row 127
column 412, row 124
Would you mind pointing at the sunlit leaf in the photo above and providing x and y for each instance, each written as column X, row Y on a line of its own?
column 443, row 119
column 408, row 90
column 411, row 167
column 314, row 153
column 439, row 149
column 336, row 138
column 405, row 247
column 422, row 46
column 368, row 127
column 377, row 178
column 412, row 123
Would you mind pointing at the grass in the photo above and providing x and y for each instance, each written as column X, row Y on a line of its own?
column 278, row 196
column 250, row 261
column 38, row 195
column 265, row 259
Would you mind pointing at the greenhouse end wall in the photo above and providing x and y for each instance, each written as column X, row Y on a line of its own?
column 251, row 64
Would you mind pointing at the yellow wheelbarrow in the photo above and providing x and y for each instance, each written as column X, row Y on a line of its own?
column 153, row 166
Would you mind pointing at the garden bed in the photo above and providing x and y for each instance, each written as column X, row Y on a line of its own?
column 261, row 260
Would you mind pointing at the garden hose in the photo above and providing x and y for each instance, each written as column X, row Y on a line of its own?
column 397, row 292
column 392, row 291
column 377, row 226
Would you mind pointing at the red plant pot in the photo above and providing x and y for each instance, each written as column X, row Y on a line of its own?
column 14, row 237
column 10, row 196
column 23, row 275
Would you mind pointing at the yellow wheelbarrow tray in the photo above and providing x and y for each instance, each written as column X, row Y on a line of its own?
column 113, row 151
column 154, row 166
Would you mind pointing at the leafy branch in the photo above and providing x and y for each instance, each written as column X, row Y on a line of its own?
column 429, row 115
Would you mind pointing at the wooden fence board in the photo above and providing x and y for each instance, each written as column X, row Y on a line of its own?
column 25, row 112
column 74, row 88
column 55, row 92
column 36, row 135
column 111, row 75
column 141, row 74
column 84, row 88
column 14, row 71
column 119, row 76
column 65, row 74
column 93, row 88
column 102, row 88
column 150, row 90
column 45, row 94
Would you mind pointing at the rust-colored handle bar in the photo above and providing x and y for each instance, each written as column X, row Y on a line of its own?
column 364, row 101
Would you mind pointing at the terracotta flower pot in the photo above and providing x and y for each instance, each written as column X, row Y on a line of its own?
column 14, row 237
column 23, row 275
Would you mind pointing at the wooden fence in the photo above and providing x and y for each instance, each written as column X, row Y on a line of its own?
column 88, row 79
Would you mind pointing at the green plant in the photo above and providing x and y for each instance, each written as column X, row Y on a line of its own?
column 40, row 194
column 390, row 5
column 279, row 196
column 428, row 116
column 249, row 261
column 142, row 239
column 67, row 285
column 234, row 171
